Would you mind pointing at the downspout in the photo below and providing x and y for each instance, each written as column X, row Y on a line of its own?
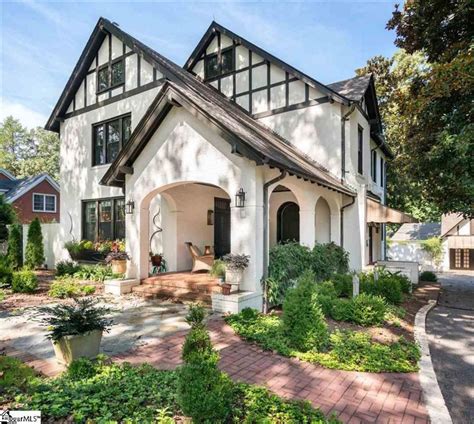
column 265, row 232
column 344, row 118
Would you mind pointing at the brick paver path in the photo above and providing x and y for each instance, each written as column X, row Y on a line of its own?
column 356, row 397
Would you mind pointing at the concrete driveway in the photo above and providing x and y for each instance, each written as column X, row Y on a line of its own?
column 450, row 328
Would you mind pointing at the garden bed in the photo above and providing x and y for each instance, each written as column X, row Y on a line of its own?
column 106, row 392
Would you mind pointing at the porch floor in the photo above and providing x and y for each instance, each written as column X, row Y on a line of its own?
column 179, row 286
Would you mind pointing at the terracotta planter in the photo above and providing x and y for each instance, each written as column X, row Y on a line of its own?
column 156, row 260
column 119, row 266
column 226, row 288
column 69, row 348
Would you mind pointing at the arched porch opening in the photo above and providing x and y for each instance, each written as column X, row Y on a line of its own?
column 322, row 221
column 284, row 216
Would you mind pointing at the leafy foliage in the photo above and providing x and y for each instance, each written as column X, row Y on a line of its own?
column 218, row 269
column 388, row 285
column 434, row 247
column 329, row 259
column 34, row 252
column 66, row 268
column 342, row 309
column 196, row 314
column 16, row 377
column 428, row 276
column 236, row 262
column 80, row 317
column 368, row 309
column 15, row 247
column 303, row 320
column 6, row 274
column 68, row 287
column 24, row 282
column 7, row 217
column 95, row 273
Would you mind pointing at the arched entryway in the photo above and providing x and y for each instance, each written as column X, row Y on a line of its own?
column 288, row 222
column 322, row 221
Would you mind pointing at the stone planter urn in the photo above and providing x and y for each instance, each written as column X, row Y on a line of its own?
column 69, row 348
column 119, row 266
column 234, row 277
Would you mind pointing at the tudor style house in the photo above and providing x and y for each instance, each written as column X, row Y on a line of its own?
column 236, row 150
column 33, row 197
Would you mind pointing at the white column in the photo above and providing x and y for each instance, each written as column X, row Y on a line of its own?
column 307, row 226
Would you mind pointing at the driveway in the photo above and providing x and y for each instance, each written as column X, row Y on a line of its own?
column 450, row 328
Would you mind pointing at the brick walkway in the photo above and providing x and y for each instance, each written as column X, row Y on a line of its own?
column 356, row 397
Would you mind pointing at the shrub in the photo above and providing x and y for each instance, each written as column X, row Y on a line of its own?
column 388, row 286
column 15, row 376
column 34, row 252
column 342, row 284
column 24, row 282
column 325, row 302
column 68, row 287
column 204, row 392
column 434, row 247
column 326, row 288
column 368, row 309
column 7, row 217
column 303, row 320
column 196, row 314
column 82, row 369
column 15, row 247
column 428, row 276
column 6, row 274
column 329, row 259
column 78, row 318
column 341, row 310
column 66, row 268
column 218, row 269
column 97, row 273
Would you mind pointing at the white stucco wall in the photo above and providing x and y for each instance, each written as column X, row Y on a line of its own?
column 411, row 251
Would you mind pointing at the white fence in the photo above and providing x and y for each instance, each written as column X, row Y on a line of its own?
column 412, row 252
column 50, row 241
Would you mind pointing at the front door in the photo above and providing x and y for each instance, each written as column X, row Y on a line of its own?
column 221, row 226
column 288, row 222
column 461, row 258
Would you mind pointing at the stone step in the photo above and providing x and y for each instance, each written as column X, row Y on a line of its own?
column 200, row 286
column 150, row 291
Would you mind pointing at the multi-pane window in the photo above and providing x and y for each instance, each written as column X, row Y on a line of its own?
column 44, row 202
column 111, row 75
column 374, row 166
column 215, row 65
column 103, row 219
column 108, row 139
column 360, row 150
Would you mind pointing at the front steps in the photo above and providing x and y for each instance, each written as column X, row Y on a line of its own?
column 183, row 286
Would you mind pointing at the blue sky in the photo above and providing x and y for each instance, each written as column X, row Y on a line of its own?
column 41, row 41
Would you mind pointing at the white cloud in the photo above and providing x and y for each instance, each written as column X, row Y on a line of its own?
column 28, row 117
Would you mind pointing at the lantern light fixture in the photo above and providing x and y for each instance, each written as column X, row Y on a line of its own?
column 240, row 198
column 129, row 207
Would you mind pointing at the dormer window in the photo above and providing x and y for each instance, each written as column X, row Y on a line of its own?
column 214, row 67
column 110, row 75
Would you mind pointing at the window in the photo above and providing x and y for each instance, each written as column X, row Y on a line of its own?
column 108, row 139
column 110, row 75
column 213, row 66
column 103, row 219
column 382, row 172
column 44, row 202
column 360, row 150
column 374, row 166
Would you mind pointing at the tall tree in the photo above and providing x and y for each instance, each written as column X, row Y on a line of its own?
column 26, row 152
column 440, row 128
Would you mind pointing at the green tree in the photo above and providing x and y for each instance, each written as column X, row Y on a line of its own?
column 15, row 247
column 26, row 152
column 440, row 128
column 34, row 252
column 7, row 217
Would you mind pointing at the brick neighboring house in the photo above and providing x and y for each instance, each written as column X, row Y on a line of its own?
column 32, row 197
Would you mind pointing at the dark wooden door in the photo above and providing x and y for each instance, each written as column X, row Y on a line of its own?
column 461, row 258
column 288, row 223
column 371, row 245
column 221, row 226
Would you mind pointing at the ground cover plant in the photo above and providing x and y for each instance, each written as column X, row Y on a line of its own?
column 24, row 281
column 68, row 287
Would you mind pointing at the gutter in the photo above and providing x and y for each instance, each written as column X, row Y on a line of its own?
column 342, row 219
column 344, row 118
column 280, row 177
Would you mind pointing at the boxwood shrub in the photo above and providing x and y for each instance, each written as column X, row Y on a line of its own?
column 368, row 309
column 24, row 282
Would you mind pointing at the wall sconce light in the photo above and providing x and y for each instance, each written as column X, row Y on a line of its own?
column 210, row 217
column 240, row 198
column 129, row 207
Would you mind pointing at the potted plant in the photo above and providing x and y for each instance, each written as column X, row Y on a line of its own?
column 76, row 329
column 117, row 258
column 156, row 259
column 83, row 250
column 235, row 265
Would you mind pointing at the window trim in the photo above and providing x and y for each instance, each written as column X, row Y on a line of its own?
column 374, row 165
column 218, row 54
column 108, row 65
column 360, row 150
column 104, row 124
column 113, row 200
column 44, row 202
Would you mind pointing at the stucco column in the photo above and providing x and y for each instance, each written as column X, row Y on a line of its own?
column 247, row 238
column 307, row 227
column 336, row 228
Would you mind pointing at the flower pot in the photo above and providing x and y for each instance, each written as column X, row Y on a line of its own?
column 156, row 260
column 119, row 266
column 69, row 348
column 226, row 289
column 234, row 277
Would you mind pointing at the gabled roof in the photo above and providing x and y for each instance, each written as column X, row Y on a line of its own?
column 417, row 232
column 215, row 27
column 14, row 189
column 352, row 88
column 7, row 174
